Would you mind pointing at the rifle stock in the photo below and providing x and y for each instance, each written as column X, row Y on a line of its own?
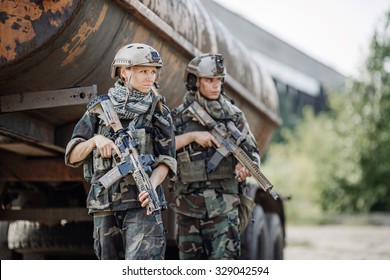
column 223, row 135
column 131, row 162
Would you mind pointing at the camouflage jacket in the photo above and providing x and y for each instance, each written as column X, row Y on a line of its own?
column 123, row 194
column 199, row 194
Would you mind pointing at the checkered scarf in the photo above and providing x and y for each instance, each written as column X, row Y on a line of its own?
column 129, row 103
column 218, row 109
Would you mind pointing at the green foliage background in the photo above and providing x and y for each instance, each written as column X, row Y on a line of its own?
column 339, row 161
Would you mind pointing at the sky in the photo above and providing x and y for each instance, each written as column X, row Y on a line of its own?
column 336, row 33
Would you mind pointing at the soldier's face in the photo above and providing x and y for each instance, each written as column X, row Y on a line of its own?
column 210, row 88
column 140, row 78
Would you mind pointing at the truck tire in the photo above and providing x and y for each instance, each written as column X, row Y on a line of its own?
column 276, row 236
column 258, row 236
column 39, row 241
column 5, row 253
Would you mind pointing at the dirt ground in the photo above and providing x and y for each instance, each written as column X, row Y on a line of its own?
column 337, row 242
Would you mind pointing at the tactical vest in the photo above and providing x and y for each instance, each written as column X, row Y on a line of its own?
column 94, row 164
column 192, row 161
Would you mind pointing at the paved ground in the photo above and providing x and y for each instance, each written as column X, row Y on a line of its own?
column 338, row 242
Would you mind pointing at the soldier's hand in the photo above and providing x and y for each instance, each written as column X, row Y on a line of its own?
column 241, row 172
column 105, row 146
column 144, row 198
column 205, row 139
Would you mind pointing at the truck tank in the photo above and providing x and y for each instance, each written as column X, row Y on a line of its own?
column 55, row 57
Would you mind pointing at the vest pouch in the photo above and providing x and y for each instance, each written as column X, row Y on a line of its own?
column 229, row 186
column 192, row 171
column 244, row 211
column 224, row 170
column 101, row 164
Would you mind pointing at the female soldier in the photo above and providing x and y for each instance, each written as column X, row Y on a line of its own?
column 207, row 203
column 122, row 228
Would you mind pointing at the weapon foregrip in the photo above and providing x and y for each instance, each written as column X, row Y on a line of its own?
column 254, row 170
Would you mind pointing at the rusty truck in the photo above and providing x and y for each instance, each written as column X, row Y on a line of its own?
column 55, row 58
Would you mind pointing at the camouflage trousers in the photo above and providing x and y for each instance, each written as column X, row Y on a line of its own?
column 130, row 235
column 211, row 238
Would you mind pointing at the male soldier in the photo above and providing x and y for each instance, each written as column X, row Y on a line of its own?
column 122, row 228
column 207, row 203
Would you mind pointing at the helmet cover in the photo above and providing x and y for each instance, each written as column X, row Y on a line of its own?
column 135, row 55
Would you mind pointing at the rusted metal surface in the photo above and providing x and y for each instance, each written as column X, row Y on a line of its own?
column 47, row 99
column 36, row 169
column 192, row 30
column 22, row 128
column 80, row 39
column 206, row 34
column 27, row 26
column 47, row 45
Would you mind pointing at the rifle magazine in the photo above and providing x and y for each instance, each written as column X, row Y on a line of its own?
column 110, row 177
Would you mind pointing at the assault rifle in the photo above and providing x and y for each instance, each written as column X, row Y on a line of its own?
column 230, row 138
column 130, row 162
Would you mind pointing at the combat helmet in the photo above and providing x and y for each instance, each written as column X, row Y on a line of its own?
column 204, row 66
column 135, row 55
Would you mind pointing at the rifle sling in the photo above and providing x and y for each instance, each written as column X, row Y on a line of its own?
column 212, row 164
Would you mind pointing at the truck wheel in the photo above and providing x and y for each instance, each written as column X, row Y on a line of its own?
column 276, row 236
column 36, row 240
column 259, row 236
column 5, row 253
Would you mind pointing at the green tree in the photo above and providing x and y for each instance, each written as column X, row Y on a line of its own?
column 339, row 160
column 375, row 155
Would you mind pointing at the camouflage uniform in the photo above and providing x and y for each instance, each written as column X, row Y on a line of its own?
column 207, row 203
column 121, row 227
